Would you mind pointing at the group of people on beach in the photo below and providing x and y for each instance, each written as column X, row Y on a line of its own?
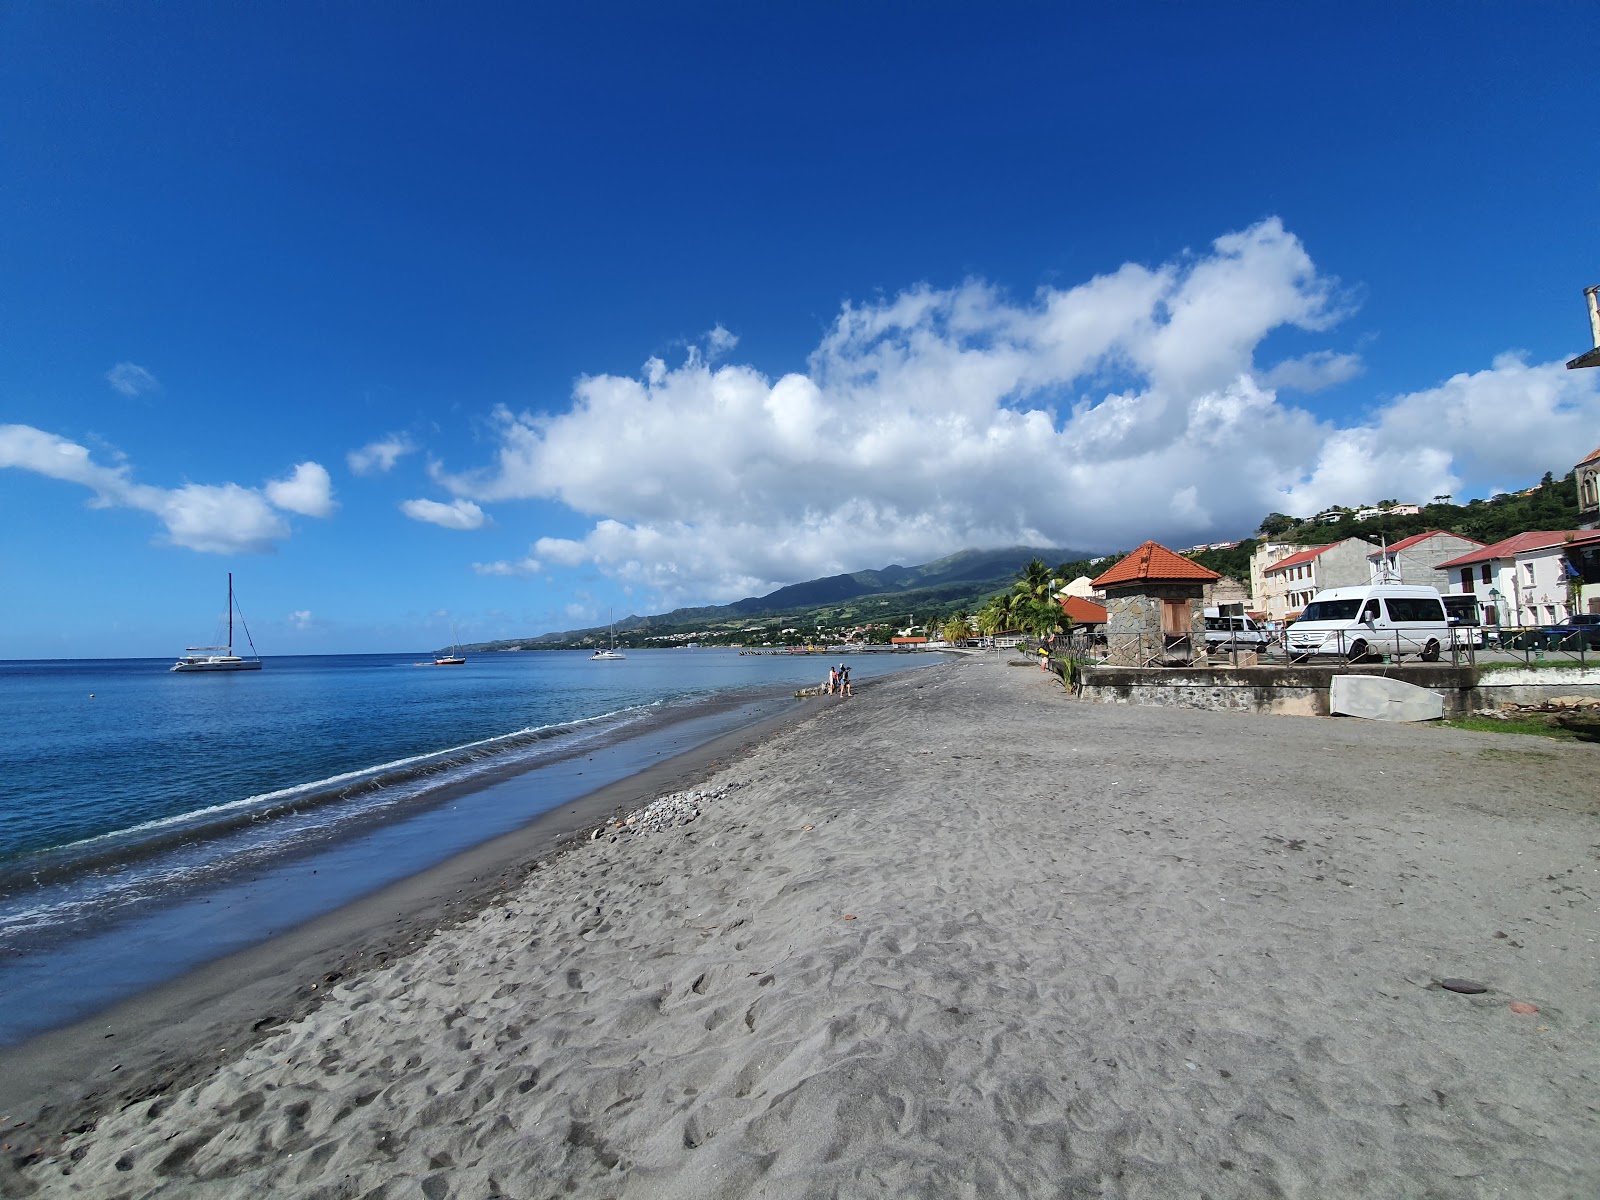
column 839, row 681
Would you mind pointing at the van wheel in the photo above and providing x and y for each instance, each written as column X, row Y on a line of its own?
column 1430, row 652
column 1358, row 650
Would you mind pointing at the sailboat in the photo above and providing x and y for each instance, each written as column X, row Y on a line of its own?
column 612, row 652
column 221, row 658
column 455, row 658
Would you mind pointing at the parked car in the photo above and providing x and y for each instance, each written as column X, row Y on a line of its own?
column 1581, row 631
column 1230, row 631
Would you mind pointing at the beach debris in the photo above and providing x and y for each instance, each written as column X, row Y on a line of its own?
column 1523, row 1008
column 1467, row 987
column 807, row 828
column 672, row 811
column 849, row 916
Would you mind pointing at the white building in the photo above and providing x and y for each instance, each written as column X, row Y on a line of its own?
column 1519, row 581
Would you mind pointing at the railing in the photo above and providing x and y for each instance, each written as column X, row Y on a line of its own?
column 1458, row 647
column 1578, row 647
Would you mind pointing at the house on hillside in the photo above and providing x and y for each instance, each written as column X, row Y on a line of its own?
column 1265, row 555
column 1522, row 580
column 1289, row 583
column 1155, row 607
column 1416, row 559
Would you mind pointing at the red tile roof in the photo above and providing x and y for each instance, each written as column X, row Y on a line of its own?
column 1154, row 563
column 1594, row 456
column 1415, row 538
column 1294, row 560
column 1512, row 546
column 1084, row 612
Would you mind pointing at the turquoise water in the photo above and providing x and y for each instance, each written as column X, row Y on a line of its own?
column 151, row 821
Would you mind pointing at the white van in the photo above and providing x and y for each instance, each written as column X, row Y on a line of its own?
column 1375, row 618
column 1226, row 630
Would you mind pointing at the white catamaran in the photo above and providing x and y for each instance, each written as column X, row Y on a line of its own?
column 221, row 658
column 612, row 652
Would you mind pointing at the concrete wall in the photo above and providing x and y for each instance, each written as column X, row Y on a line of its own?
column 1303, row 691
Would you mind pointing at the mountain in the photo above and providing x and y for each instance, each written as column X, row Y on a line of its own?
column 963, row 579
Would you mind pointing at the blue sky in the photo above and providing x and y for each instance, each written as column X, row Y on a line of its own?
column 408, row 314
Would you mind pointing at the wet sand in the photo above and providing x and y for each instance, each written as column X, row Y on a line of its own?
column 957, row 935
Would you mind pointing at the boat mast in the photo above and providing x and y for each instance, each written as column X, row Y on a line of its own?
column 230, row 612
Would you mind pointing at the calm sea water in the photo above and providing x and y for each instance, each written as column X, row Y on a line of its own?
column 150, row 821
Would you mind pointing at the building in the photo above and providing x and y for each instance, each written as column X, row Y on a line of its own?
column 1087, row 617
column 1416, row 559
column 1587, row 475
column 1523, row 580
column 1368, row 512
column 1264, row 556
column 1155, row 607
column 1289, row 584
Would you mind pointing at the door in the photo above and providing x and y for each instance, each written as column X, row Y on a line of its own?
column 1175, row 622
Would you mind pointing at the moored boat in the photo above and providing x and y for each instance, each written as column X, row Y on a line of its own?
column 221, row 658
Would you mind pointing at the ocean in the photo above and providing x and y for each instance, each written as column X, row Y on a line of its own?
column 151, row 821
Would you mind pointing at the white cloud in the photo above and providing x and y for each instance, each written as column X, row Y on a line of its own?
column 215, row 518
column 1090, row 417
column 719, row 342
column 301, row 620
column 381, row 455
column 525, row 566
column 131, row 379
column 458, row 514
column 1313, row 372
column 307, row 491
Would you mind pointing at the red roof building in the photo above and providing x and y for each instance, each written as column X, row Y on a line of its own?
column 1521, row 580
column 1083, row 612
column 1154, row 563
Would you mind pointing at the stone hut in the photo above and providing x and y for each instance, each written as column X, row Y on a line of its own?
column 1155, row 608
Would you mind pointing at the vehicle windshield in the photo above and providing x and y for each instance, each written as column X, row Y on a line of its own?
column 1330, row 610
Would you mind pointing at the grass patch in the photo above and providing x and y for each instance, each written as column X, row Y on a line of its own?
column 1525, row 725
column 1487, row 668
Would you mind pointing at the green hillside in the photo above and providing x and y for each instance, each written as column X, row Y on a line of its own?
column 890, row 596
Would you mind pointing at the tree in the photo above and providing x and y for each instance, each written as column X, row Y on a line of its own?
column 956, row 629
column 1275, row 523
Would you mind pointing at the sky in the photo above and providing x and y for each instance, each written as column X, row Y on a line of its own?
column 507, row 318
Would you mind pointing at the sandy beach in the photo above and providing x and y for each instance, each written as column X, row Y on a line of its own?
column 958, row 935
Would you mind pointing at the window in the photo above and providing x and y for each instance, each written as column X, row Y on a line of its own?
column 1406, row 609
column 1528, row 571
column 1331, row 610
column 1485, row 570
column 1466, row 579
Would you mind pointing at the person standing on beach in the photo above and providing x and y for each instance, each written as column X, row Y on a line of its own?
column 844, row 680
column 833, row 680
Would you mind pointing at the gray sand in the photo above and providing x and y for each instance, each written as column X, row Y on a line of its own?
column 963, row 936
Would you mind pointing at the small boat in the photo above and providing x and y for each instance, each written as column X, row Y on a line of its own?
column 221, row 658
column 455, row 658
column 612, row 651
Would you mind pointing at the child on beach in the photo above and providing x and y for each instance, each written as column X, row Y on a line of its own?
column 844, row 680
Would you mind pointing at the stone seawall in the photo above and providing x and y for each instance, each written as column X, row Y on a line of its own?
column 1303, row 690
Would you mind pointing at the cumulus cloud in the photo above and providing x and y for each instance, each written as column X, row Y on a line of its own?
column 458, row 514
column 524, row 566
column 380, row 456
column 301, row 620
column 131, row 379
column 1091, row 417
column 308, row 491
column 216, row 518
